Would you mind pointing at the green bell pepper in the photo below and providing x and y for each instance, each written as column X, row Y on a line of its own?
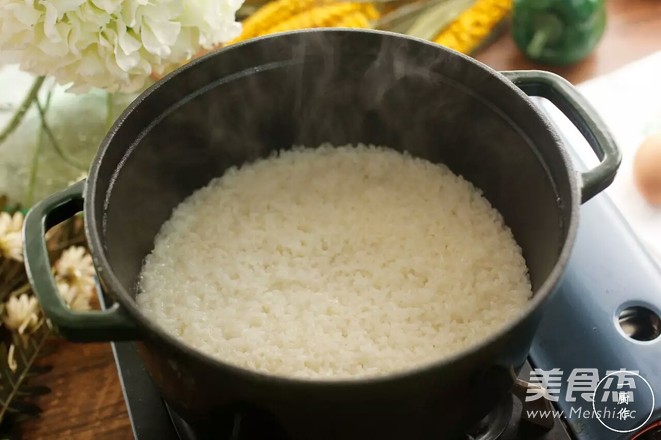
column 558, row 31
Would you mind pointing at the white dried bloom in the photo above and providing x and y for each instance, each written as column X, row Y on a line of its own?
column 82, row 300
column 75, row 268
column 11, row 240
column 11, row 359
column 76, row 297
column 66, row 292
column 111, row 44
column 21, row 313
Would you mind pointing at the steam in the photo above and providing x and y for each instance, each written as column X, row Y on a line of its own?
column 308, row 88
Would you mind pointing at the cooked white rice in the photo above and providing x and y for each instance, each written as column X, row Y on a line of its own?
column 334, row 263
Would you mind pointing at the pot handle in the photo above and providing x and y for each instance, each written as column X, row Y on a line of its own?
column 88, row 326
column 570, row 102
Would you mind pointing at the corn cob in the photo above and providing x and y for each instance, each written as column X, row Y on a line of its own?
column 273, row 13
column 369, row 12
column 474, row 25
column 356, row 20
column 333, row 15
column 362, row 19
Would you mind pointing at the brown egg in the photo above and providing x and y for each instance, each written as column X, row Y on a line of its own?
column 647, row 169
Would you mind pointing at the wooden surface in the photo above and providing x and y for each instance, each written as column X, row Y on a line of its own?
column 87, row 402
column 633, row 31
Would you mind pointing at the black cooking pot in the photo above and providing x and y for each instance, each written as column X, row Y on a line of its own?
column 305, row 88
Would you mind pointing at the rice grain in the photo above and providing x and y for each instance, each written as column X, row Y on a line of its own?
column 334, row 263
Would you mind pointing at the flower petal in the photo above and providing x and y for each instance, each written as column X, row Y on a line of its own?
column 111, row 44
column 127, row 42
column 158, row 37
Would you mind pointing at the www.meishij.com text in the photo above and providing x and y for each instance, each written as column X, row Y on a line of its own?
column 582, row 413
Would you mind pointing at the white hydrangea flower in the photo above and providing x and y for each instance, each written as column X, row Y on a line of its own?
column 111, row 44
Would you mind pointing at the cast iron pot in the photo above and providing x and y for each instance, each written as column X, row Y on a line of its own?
column 306, row 88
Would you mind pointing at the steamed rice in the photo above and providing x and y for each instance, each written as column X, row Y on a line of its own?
column 334, row 263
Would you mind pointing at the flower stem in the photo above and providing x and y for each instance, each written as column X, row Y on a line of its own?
column 22, row 109
column 17, row 380
column 109, row 110
column 56, row 145
column 13, row 276
column 23, row 289
column 29, row 193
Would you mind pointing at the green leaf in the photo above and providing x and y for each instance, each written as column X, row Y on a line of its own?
column 38, row 370
column 16, row 387
column 37, row 390
column 24, row 407
column 436, row 18
column 407, row 18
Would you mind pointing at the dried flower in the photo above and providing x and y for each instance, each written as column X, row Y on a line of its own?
column 21, row 313
column 82, row 300
column 11, row 241
column 66, row 292
column 75, row 268
column 111, row 44
column 75, row 297
column 11, row 359
column 74, row 272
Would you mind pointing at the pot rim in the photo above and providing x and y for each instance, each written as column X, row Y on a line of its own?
column 128, row 303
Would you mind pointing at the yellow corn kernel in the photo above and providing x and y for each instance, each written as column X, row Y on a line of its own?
column 370, row 11
column 474, row 25
column 362, row 19
column 321, row 16
column 357, row 20
column 273, row 13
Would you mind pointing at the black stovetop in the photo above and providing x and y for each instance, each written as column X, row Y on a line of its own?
column 152, row 419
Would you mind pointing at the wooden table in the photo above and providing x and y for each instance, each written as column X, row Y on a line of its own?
column 86, row 401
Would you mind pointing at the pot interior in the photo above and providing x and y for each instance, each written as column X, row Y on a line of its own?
column 340, row 87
